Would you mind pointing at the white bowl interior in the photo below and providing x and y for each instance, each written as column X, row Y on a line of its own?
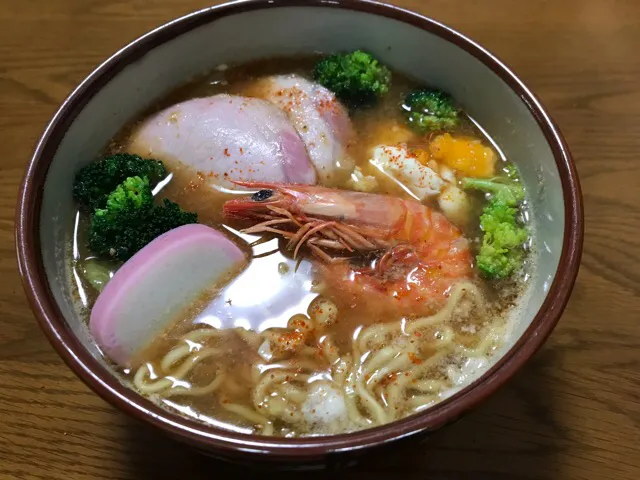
column 298, row 30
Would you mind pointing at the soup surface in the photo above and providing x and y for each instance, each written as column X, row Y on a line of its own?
column 339, row 321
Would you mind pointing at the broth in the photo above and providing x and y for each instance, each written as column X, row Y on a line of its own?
column 281, row 350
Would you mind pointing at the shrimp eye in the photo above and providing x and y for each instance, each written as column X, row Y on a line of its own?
column 262, row 195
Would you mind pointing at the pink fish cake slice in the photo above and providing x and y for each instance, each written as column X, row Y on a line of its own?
column 147, row 294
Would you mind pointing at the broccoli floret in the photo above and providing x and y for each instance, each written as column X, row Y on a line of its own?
column 512, row 172
column 502, row 189
column 501, row 251
column 94, row 182
column 130, row 220
column 168, row 216
column 429, row 110
column 133, row 193
column 357, row 78
column 497, row 263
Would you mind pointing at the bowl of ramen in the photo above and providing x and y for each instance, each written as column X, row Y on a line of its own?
column 296, row 231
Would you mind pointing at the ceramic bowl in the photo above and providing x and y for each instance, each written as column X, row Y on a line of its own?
column 145, row 70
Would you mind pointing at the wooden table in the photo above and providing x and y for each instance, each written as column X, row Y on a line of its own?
column 572, row 413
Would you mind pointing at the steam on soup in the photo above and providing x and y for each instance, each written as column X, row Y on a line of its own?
column 361, row 247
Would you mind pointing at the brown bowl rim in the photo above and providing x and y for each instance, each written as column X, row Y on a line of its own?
column 234, row 444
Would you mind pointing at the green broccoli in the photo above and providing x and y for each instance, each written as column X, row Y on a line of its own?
column 130, row 220
column 428, row 110
column 503, row 190
column 94, row 182
column 133, row 193
column 512, row 172
column 357, row 78
column 501, row 251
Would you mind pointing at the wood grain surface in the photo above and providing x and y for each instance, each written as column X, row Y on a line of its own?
column 572, row 413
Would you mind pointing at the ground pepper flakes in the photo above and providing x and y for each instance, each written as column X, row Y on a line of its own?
column 414, row 358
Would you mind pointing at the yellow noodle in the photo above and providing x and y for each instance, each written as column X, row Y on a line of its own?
column 398, row 390
column 379, row 358
column 192, row 361
column 486, row 344
column 457, row 292
column 292, row 393
column 231, row 385
column 429, row 385
column 309, row 352
column 174, row 356
column 399, row 363
column 275, row 406
column 292, row 414
column 375, row 410
column 247, row 413
column 250, row 337
column 196, row 391
column 270, row 378
column 310, row 364
column 340, row 371
column 280, row 391
column 330, row 351
column 148, row 388
column 421, row 401
column 370, row 333
column 267, row 429
column 204, row 333
column 166, row 383
column 353, row 412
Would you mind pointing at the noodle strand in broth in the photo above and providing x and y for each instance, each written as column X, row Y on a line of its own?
column 388, row 379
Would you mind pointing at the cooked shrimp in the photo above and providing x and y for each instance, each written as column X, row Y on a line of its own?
column 416, row 253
